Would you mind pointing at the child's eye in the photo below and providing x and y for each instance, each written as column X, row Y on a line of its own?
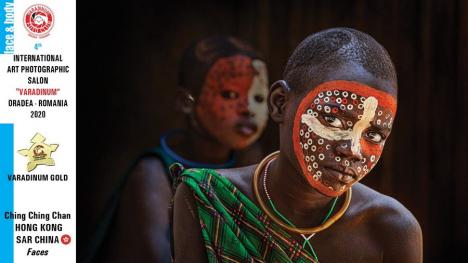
column 229, row 94
column 333, row 121
column 259, row 98
column 374, row 136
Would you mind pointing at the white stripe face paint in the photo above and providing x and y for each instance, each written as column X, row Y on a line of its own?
column 339, row 133
column 257, row 96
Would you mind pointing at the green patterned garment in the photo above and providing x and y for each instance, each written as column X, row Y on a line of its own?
column 233, row 227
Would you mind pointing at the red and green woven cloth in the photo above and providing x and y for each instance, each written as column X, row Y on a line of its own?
column 234, row 229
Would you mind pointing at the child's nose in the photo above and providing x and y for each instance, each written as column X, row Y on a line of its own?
column 345, row 149
column 243, row 109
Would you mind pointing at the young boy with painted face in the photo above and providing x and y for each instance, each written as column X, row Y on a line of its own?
column 223, row 89
column 335, row 109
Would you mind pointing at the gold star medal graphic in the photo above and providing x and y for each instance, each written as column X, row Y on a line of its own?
column 39, row 152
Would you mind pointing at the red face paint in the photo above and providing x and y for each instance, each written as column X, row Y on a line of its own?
column 339, row 133
column 232, row 104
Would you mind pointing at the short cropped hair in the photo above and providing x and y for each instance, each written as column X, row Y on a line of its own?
column 328, row 49
column 201, row 55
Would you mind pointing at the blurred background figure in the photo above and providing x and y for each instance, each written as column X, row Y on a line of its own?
column 222, row 91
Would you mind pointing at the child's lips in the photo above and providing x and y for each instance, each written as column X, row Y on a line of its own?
column 341, row 174
column 246, row 129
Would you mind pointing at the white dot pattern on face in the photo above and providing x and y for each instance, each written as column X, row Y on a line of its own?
column 316, row 148
column 385, row 123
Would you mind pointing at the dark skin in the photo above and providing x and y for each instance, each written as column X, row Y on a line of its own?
column 141, row 232
column 375, row 228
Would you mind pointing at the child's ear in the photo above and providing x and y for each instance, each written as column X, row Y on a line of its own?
column 185, row 102
column 277, row 100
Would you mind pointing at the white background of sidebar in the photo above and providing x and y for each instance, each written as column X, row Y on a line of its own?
column 59, row 127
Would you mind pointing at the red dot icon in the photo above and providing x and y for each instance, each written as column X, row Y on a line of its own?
column 66, row 239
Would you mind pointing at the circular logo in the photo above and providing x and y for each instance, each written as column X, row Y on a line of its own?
column 38, row 152
column 38, row 20
column 65, row 239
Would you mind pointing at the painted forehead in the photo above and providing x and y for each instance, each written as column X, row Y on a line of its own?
column 342, row 95
column 229, row 68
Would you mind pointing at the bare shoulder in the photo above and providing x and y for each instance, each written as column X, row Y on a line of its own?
column 382, row 209
column 148, row 188
column 142, row 219
column 148, row 165
column 393, row 226
column 148, row 174
column 241, row 178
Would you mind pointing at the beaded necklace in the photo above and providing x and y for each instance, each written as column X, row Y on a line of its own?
column 273, row 207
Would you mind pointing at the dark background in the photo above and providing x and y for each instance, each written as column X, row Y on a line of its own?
column 128, row 54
